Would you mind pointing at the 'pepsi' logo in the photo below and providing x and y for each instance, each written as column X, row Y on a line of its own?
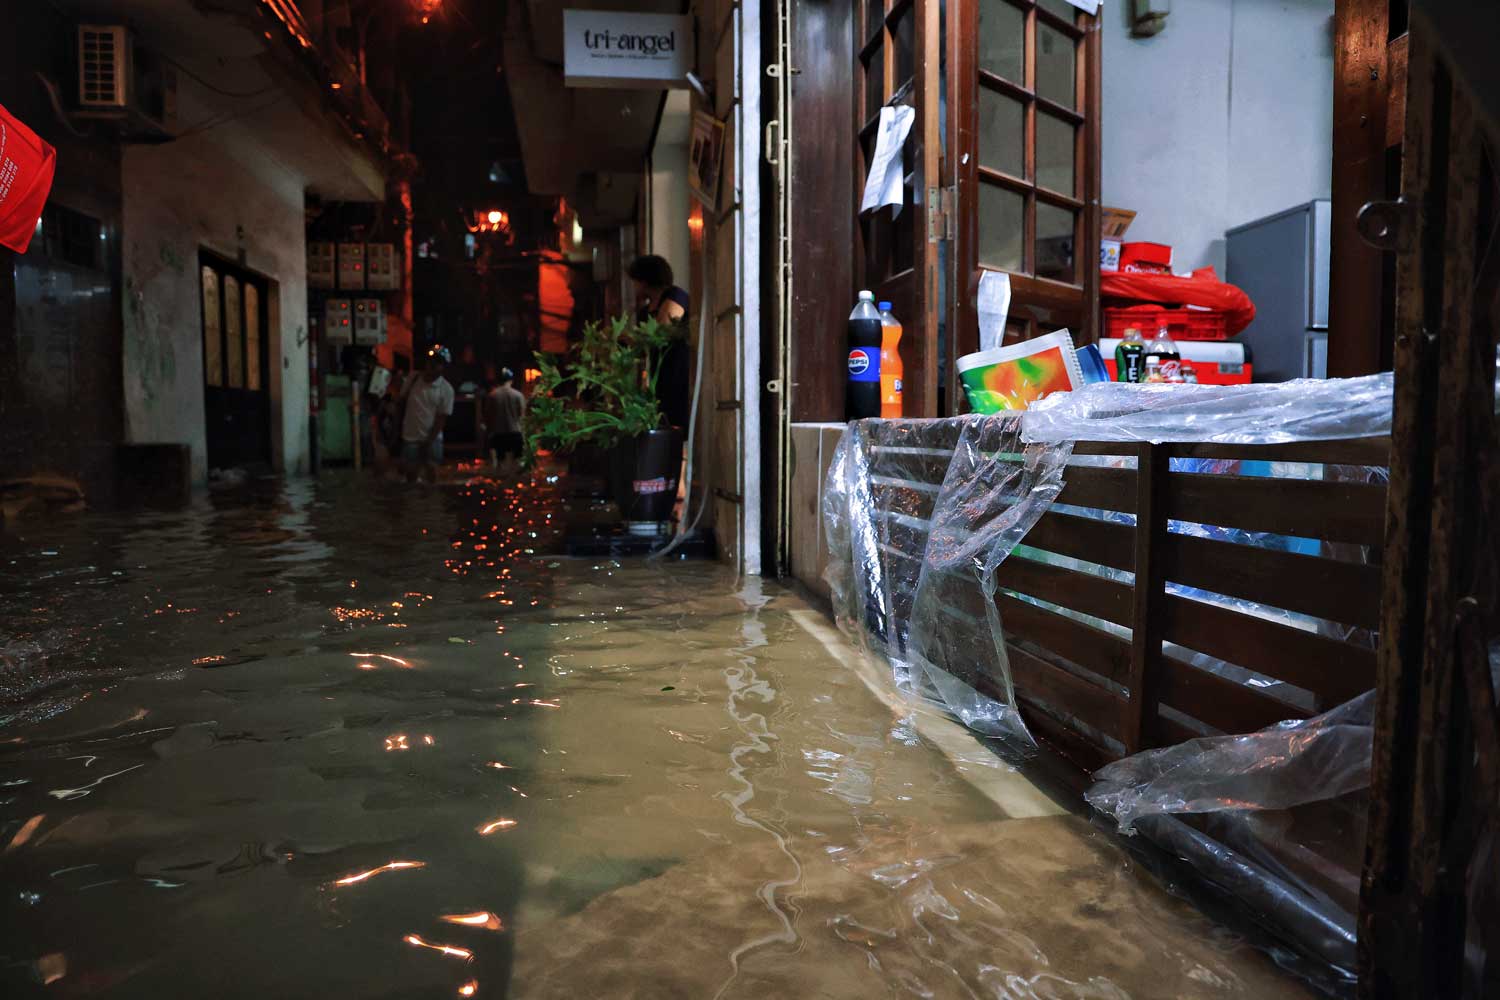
column 859, row 362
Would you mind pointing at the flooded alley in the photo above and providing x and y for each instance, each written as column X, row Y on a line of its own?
column 331, row 740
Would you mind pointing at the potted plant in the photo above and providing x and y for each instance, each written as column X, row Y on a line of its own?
column 602, row 394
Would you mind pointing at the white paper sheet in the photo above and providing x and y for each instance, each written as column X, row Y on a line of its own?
column 885, row 186
column 1087, row 6
column 994, row 308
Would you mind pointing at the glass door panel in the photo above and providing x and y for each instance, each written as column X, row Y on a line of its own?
column 1002, row 133
column 234, row 345
column 1002, row 228
column 1055, row 141
column 1002, row 40
column 1055, row 241
column 1056, row 66
column 213, row 342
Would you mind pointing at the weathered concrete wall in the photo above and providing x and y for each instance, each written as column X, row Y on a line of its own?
column 1223, row 118
column 220, row 191
column 813, row 446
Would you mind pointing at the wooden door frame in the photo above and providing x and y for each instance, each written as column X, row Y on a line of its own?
column 919, row 344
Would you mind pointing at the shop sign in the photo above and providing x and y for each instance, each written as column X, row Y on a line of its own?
column 603, row 48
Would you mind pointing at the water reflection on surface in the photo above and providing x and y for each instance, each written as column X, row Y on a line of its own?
column 334, row 739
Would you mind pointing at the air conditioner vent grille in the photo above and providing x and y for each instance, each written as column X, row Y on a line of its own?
column 102, row 67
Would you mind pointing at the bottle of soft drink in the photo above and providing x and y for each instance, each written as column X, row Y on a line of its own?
column 1130, row 357
column 890, row 363
column 1189, row 374
column 1153, row 371
column 862, row 393
column 1165, row 352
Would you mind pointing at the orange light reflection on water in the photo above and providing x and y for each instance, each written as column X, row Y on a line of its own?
column 446, row 949
column 499, row 824
column 390, row 866
column 381, row 656
column 483, row 918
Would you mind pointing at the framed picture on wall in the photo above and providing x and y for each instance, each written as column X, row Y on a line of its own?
column 705, row 157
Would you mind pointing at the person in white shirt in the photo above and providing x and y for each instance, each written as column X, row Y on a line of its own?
column 429, row 404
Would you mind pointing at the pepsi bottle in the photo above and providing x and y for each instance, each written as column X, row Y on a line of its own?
column 862, row 392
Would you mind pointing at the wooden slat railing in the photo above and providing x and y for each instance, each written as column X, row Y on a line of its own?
column 1102, row 660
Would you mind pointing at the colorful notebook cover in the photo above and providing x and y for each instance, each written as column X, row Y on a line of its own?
column 1012, row 378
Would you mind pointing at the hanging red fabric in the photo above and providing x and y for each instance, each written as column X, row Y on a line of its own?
column 1203, row 289
column 26, row 167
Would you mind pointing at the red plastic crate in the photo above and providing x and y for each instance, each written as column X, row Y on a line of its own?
column 1182, row 324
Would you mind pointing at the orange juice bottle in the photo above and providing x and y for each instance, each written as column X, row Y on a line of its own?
column 890, row 363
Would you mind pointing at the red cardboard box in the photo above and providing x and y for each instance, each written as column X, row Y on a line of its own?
column 1153, row 258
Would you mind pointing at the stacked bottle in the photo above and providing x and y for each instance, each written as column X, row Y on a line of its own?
column 866, row 333
column 1161, row 361
column 890, row 363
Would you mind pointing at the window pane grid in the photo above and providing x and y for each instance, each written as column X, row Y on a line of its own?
column 1029, row 135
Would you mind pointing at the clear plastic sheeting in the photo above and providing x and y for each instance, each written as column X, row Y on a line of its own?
column 1286, row 765
column 1272, row 413
column 1274, row 818
column 916, row 533
column 919, row 517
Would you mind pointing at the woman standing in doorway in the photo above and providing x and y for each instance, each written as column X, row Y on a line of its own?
column 659, row 297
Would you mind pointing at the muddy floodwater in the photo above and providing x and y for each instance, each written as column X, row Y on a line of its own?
column 341, row 740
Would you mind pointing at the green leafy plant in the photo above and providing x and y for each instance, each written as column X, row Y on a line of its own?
column 603, row 390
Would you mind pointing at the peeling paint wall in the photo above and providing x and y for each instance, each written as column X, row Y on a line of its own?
column 217, row 190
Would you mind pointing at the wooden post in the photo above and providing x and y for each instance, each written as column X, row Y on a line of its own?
column 1423, row 809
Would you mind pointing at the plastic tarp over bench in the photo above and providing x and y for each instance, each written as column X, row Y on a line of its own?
column 920, row 517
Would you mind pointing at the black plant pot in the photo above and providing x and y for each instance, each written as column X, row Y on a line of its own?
column 643, row 474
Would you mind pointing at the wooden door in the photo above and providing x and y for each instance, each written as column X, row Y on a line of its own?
column 1023, row 115
column 898, row 62
column 236, row 382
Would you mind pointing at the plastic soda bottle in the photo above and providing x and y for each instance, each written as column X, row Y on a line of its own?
column 862, row 391
column 1153, row 371
column 1130, row 357
column 890, row 363
column 1164, row 350
column 1189, row 374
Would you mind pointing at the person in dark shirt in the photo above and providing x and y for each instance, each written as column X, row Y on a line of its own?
column 659, row 297
column 503, row 410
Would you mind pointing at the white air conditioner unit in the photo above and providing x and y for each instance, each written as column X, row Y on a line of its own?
column 121, row 83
